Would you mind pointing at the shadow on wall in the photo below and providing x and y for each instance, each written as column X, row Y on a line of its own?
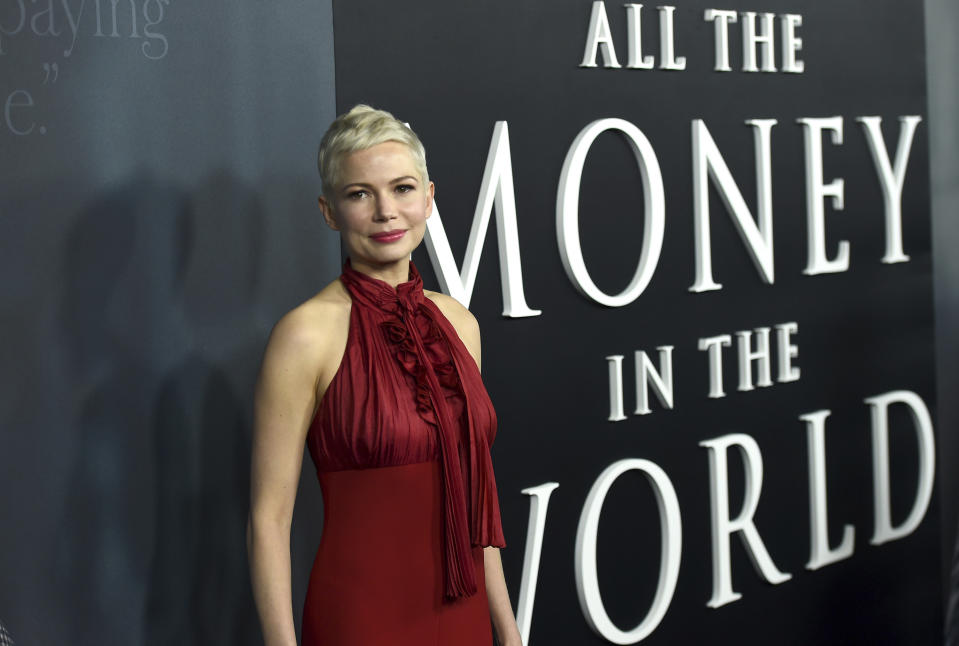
column 157, row 330
column 198, row 584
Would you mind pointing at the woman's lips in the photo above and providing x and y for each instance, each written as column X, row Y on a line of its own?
column 388, row 236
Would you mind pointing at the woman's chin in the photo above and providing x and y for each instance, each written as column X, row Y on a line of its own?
column 384, row 258
column 382, row 254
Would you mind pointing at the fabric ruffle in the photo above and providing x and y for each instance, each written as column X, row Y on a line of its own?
column 419, row 337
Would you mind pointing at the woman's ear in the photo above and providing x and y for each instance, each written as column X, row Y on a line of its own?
column 431, row 189
column 327, row 210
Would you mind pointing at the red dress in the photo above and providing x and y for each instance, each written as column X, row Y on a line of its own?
column 401, row 445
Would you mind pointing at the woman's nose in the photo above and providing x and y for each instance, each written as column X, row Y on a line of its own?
column 385, row 208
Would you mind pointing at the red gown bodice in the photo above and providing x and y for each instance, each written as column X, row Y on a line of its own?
column 406, row 392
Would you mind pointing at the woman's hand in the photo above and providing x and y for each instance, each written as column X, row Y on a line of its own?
column 500, row 610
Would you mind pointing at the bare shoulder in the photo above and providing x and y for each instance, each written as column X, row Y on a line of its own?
column 462, row 320
column 299, row 356
column 312, row 336
column 312, row 321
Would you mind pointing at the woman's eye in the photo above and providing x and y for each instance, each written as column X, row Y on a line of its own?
column 355, row 195
column 405, row 188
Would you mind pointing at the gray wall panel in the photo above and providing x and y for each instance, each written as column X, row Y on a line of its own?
column 157, row 215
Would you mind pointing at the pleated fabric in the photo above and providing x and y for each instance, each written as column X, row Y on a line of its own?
column 408, row 392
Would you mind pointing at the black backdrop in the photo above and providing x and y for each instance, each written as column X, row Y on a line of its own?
column 453, row 71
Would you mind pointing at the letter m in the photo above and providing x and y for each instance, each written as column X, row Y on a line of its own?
column 497, row 185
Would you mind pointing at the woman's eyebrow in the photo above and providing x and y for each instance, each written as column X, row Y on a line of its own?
column 404, row 178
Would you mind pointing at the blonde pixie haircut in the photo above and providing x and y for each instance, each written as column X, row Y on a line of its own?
column 361, row 128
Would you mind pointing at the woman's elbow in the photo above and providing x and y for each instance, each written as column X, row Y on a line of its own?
column 266, row 527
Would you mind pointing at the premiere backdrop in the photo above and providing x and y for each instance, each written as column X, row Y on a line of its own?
column 158, row 215
column 760, row 239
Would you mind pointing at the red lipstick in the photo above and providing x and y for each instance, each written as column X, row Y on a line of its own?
column 388, row 236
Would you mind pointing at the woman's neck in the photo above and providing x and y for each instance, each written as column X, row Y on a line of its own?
column 392, row 273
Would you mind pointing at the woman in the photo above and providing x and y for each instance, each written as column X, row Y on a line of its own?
column 381, row 380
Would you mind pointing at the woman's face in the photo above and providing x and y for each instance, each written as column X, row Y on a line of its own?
column 379, row 205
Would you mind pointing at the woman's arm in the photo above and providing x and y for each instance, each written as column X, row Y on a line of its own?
column 284, row 402
column 500, row 610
